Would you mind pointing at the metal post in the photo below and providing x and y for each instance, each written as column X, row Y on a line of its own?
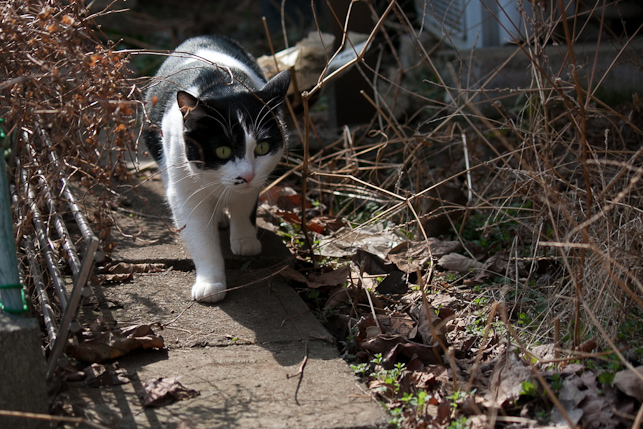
column 12, row 297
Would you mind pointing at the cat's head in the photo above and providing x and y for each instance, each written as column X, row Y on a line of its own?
column 236, row 138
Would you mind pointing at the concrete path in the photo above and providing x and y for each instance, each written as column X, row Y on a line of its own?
column 259, row 358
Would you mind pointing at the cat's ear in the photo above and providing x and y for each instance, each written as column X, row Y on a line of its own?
column 187, row 102
column 276, row 89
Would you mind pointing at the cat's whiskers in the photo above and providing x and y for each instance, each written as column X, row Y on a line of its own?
column 225, row 126
column 198, row 191
column 215, row 210
column 264, row 113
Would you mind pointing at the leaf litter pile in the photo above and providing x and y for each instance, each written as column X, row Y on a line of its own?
column 477, row 256
column 477, row 269
column 426, row 328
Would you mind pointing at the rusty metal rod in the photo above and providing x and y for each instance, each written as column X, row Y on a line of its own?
column 79, row 216
column 72, row 308
column 48, row 314
column 61, row 228
column 41, row 290
column 43, row 240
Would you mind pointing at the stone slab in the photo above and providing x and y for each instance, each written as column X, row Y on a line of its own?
column 22, row 371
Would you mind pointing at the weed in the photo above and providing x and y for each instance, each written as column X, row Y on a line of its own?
column 459, row 423
column 529, row 388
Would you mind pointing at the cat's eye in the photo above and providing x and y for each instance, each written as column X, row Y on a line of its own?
column 262, row 148
column 223, row 152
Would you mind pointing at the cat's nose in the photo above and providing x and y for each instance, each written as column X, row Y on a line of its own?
column 246, row 177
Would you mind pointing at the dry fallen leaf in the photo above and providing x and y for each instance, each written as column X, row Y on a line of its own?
column 330, row 279
column 459, row 263
column 345, row 242
column 124, row 271
column 97, row 375
column 629, row 383
column 394, row 284
column 413, row 255
column 424, row 326
column 506, row 381
column 114, row 343
column 325, row 224
column 164, row 391
column 372, row 264
column 390, row 346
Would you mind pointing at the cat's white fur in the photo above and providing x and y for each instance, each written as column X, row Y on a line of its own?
column 198, row 198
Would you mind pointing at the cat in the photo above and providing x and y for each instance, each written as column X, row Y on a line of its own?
column 215, row 128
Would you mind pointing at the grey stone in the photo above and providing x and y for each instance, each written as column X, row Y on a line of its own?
column 22, row 371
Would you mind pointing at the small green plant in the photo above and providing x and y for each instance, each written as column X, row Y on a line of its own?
column 529, row 388
column 418, row 400
column 460, row 423
column 556, row 382
column 524, row 319
column 360, row 369
column 542, row 415
column 397, row 414
column 459, row 396
column 606, row 377
column 481, row 301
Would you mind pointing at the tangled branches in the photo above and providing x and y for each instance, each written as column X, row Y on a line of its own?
column 65, row 99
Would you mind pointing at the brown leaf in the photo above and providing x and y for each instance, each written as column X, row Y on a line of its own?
column 496, row 265
column 446, row 305
column 124, row 271
column 325, row 224
column 164, row 391
column 444, row 411
column 459, row 263
column 293, row 275
column 333, row 278
column 506, row 380
column 628, row 382
column 394, row 284
column 397, row 324
column 113, row 344
column 342, row 294
column 290, row 217
column 291, row 202
column 390, row 346
column 345, row 242
column 372, row 264
column 587, row 346
column 424, row 328
column 97, row 375
column 339, row 295
column 129, row 268
column 362, row 326
column 273, row 194
column 413, row 255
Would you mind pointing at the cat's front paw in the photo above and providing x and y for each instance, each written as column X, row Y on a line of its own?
column 246, row 246
column 204, row 291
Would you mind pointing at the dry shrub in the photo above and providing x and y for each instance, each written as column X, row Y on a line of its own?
column 565, row 161
column 64, row 93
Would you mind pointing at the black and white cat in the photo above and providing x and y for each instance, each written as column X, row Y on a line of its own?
column 215, row 129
